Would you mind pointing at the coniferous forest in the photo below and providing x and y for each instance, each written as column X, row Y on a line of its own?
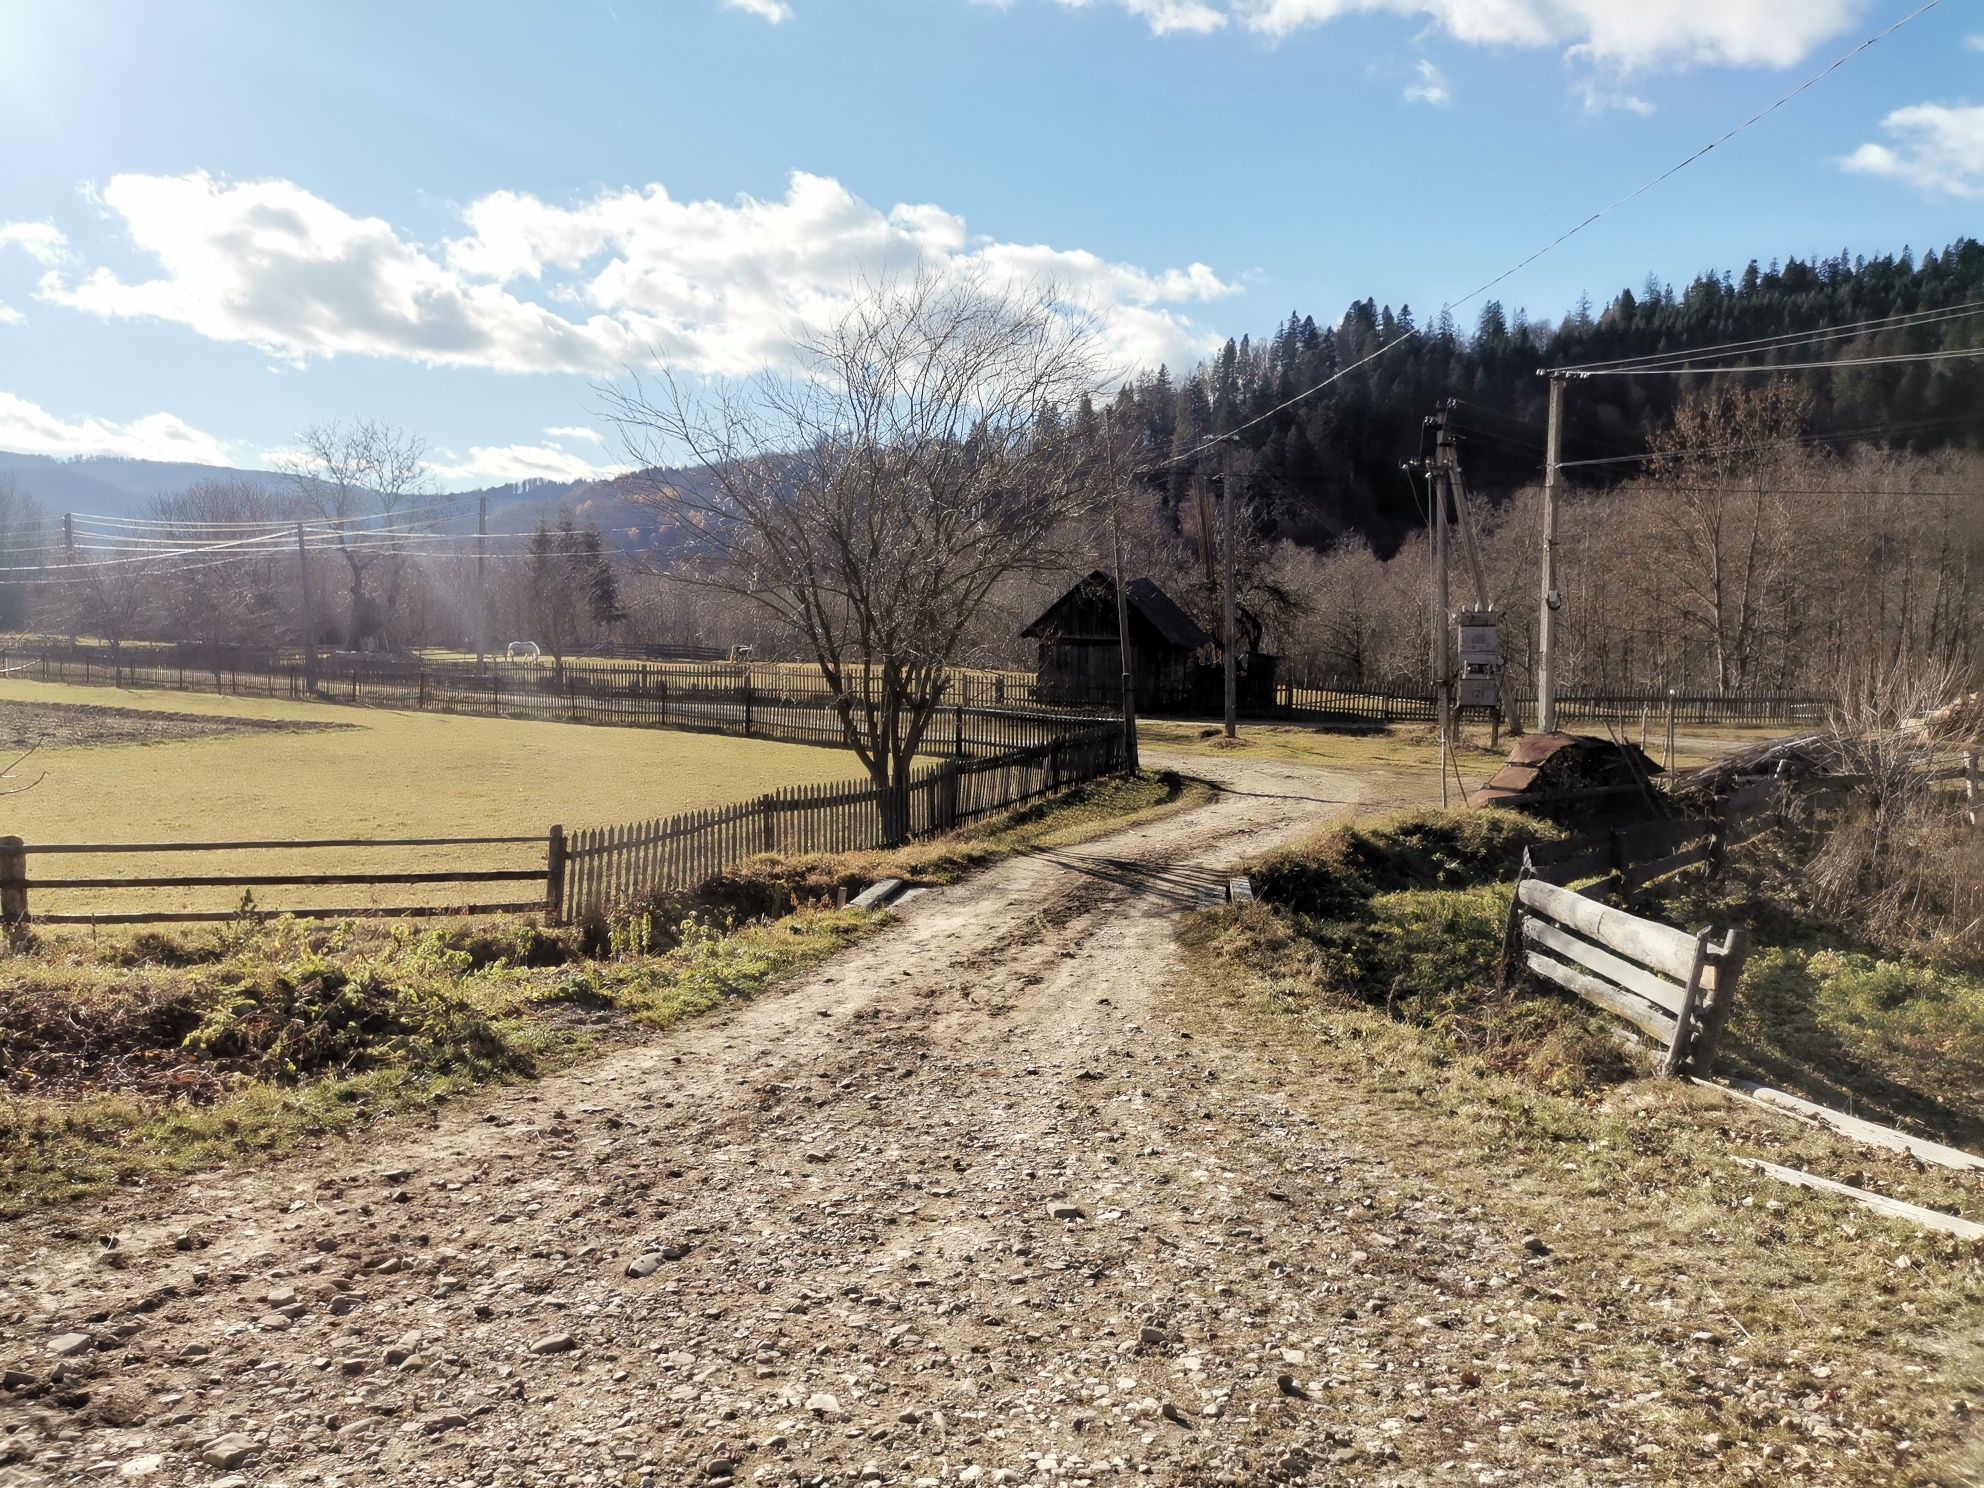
column 1330, row 465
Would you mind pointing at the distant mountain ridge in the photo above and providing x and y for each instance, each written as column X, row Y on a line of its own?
column 112, row 486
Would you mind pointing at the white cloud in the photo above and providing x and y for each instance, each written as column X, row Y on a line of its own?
column 494, row 465
column 1975, row 41
column 568, row 432
column 1623, row 33
column 42, row 241
column 10, row 316
column 1614, row 34
column 774, row 11
column 1938, row 149
column 1431, row 87
column 31, row 429
column 1164, row 17
column 711, row 287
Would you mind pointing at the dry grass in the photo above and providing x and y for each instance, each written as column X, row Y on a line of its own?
column 1692, row 1321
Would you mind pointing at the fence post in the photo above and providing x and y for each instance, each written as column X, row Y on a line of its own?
column 13, row 865
column 1728, row 966
column 423, row 689
column 957, row 732
column 947, row 797
column 747, row 705
column 768, row 804
column 554, row 876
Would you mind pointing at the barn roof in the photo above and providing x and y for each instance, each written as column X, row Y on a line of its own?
column 1157, row 609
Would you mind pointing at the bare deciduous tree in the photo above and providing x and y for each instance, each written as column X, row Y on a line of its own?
column 358, row 478
column 873, row 499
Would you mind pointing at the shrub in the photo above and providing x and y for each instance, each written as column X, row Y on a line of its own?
column 283, row 1021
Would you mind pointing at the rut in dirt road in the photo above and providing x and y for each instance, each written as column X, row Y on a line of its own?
column 965, row 1205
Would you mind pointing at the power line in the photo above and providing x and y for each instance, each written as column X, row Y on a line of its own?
column 1801, row 440
column 1866, row 361
column 1816, row 78
column 1907, row 320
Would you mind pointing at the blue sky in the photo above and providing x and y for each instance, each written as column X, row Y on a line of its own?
column 222, row 222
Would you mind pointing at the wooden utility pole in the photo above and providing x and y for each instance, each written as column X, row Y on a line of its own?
column 1546, row 665
column 1226, row 484
column 1436, row 479
column 1122, row 598
column 306, row 611
column 481, row 567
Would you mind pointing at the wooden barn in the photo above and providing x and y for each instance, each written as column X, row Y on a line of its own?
column 1079, row 661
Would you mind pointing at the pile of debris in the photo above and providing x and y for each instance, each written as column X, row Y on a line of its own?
column 1550, row 771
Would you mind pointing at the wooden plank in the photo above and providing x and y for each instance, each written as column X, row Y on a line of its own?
column 1658, row 946
column 1871, row 1133
column 169, row 847
column 1656, row 989
column 1637, row 1011
column 288, row 880
column 1240, row 891
column 208, row 916
column 1928, row 1219
column 1684, row 1023
column 1639, row 876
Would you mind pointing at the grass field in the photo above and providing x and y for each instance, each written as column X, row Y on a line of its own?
column 354, row 773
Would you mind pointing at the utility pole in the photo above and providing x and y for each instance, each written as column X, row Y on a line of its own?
column 1226, row 484
column 1437, row 489
column 481, row 565
column 1122, row 598
column 306, row 612
column 1546, row 667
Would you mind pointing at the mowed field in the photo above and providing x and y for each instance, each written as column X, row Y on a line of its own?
column 317, row 770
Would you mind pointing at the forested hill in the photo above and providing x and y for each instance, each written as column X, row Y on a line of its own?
column 1331, row 464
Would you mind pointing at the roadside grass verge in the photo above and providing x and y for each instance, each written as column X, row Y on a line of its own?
column 1775, row 1335
column 1890, row 1029
column 128, row 1060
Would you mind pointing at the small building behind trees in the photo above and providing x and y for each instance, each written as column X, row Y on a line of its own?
column 1079, row 656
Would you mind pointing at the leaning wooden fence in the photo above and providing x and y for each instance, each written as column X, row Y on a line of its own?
column 17, row 883
column 605, row 866
column 1674, row 987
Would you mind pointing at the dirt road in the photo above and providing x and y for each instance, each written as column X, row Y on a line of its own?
column 968, row 1205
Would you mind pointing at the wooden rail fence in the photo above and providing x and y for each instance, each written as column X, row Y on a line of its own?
column 792, row 708
column 588, row 871
column 16, row 882
column 784, row 700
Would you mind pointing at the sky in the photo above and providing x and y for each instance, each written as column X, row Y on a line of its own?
column 224, row 221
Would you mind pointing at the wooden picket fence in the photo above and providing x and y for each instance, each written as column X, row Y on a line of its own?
column 597, row 868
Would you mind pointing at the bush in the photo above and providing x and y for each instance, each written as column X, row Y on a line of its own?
column 286, row 1021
